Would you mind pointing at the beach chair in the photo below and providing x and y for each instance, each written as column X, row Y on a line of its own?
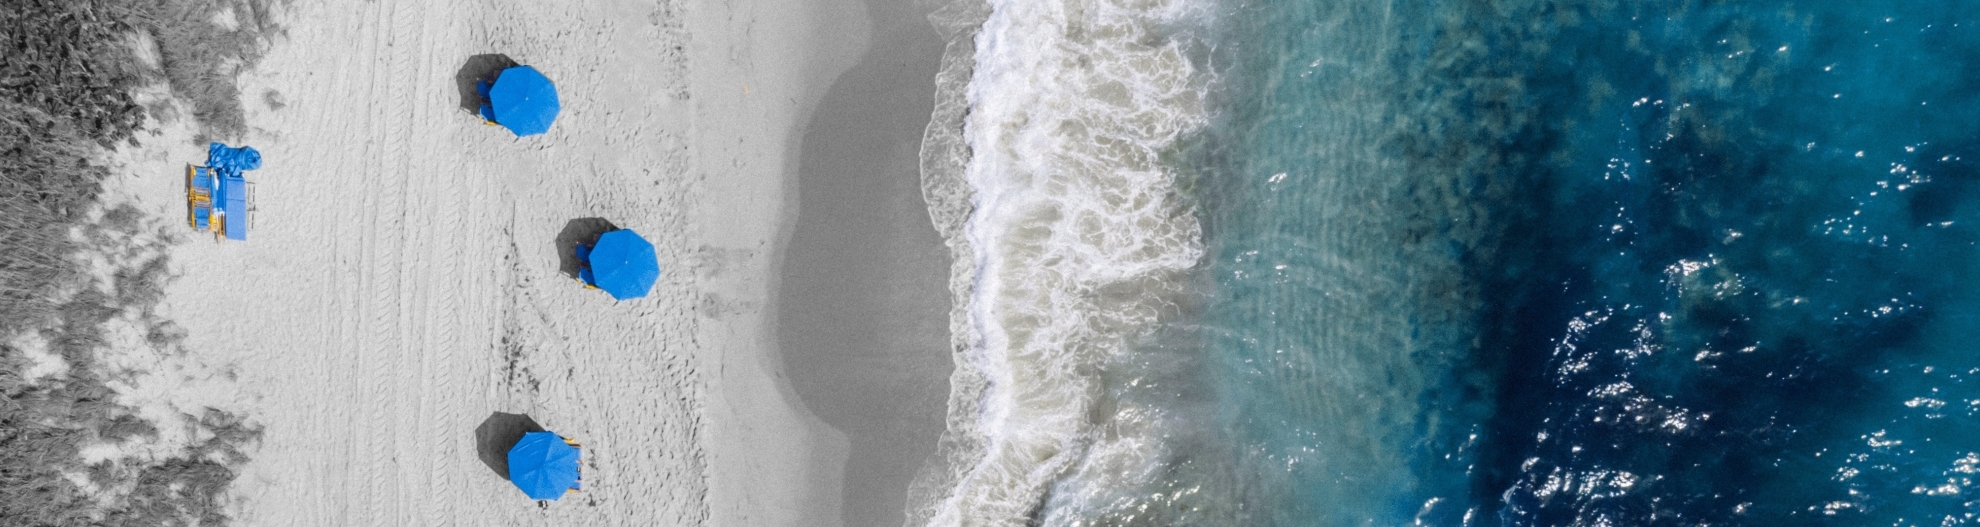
column 487, row 111
column 577, row 486
column 199, row 181
column 583, row 253
column 201, row 216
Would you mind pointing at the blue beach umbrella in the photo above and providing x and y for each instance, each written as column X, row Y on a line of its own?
column 622, row 263
column 543, row 465
column 523, row 100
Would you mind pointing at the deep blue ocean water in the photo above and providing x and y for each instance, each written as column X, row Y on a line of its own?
column 1491, row 263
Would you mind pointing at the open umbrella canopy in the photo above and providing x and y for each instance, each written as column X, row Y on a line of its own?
column 622, row 263
column 543, row 465
column 523, row 100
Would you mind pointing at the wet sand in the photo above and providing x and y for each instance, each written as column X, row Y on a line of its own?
column 863, row 304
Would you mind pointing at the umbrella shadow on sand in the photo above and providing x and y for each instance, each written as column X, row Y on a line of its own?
column 497, row 435
column 579, row 231
column 479, row 68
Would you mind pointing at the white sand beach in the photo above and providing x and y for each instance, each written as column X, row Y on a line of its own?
column 402, row 283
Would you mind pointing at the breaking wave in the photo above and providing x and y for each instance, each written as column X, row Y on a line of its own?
column 1071, row 244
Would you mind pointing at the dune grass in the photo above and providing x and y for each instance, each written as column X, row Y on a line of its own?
column 67, row 72
column 200, row 58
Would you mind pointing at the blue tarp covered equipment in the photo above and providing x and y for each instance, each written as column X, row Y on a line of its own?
column 543, row 465
column 220, row 187
column 230, row 161
column 623, row 264
column 523, row 100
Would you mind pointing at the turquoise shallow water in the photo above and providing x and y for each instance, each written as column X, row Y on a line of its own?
column 1524, row 263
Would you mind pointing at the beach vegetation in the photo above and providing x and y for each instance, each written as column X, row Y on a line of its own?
column 68, row 71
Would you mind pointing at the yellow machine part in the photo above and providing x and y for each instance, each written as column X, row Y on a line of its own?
column 196, row 198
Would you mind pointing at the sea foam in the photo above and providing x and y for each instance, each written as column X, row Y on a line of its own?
column 1076, row 236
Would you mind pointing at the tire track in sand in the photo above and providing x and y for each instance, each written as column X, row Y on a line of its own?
column 386, row 300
